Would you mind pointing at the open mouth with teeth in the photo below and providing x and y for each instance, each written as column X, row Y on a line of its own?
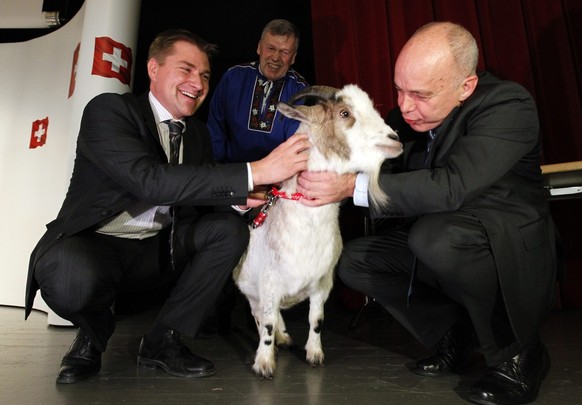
column 189, row 95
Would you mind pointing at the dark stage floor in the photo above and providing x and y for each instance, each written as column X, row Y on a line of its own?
column 364, row 365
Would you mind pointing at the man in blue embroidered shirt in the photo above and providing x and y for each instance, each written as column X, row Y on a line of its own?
column 243, row 119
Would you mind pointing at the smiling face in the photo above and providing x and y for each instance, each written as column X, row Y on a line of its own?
column 429, row 82
column 276, row 54
column 181, row 81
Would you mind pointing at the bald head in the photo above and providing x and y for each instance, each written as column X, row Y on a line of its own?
column 445, row 43
column 434, row 73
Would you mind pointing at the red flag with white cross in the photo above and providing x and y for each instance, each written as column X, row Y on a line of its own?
column 38, row 133
column 112, row 59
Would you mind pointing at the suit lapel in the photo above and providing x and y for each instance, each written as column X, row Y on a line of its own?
column 150, row 123
column 444, row 140
column 148, row 116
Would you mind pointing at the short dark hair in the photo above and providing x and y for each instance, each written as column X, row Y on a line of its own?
column 163, row 43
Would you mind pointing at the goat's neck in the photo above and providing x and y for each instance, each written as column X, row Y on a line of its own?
column 317, row 162
column 290, row 185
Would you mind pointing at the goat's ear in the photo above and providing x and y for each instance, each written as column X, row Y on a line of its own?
column 298, row 113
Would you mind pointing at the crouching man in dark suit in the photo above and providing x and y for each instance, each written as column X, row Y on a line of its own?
column 466, row 257
column 143, row 172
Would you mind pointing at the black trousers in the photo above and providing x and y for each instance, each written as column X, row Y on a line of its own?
column 80, row 276
column 455, row 277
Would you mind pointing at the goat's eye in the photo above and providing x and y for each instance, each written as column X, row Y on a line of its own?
column 344, row 113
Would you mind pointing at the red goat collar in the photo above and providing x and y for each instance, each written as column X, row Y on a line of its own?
column 282, row 194
column 272, row 197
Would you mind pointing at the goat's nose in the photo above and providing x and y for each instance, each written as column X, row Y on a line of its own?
column 393, row 136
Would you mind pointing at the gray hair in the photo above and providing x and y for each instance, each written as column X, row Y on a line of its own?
column 283, row 28
column 462, row 45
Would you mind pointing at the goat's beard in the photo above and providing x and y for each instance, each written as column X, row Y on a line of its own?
column 376, row 194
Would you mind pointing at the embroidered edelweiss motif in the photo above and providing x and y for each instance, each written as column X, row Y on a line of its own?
column 264, row 104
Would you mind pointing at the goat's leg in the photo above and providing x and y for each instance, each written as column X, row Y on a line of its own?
column 265, row 364
column 282, row 338
column 255, row 312
column 313, row 346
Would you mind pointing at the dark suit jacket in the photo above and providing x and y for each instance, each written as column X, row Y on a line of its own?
column 119, row 160
column 486, row 161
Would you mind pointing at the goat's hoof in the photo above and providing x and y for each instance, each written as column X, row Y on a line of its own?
column 263, row 372
column 264, row 375
column 315, row 360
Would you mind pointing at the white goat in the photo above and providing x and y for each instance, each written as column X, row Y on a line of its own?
column 292, row 256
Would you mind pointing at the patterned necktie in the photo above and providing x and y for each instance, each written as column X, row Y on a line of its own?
column 176, row 128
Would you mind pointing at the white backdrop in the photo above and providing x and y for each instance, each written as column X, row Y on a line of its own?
column 35, row 78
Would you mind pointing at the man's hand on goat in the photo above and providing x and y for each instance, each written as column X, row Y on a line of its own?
column 286, row 160
column 256, row 198
column 320, row 188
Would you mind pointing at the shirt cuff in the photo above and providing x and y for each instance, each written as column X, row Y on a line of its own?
column 250, row 177
column 361, row 191
column 238, row 209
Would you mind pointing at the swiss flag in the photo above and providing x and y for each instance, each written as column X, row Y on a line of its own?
column 112, row 59
column 38, row 133
column 74, row 71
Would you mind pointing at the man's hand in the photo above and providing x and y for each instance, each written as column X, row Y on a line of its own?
column 286, row 160
column 320, row 188
column 256, row 198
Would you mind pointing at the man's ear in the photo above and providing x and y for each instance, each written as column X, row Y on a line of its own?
column 152, row 66
column 259, row 48
column 468, row 87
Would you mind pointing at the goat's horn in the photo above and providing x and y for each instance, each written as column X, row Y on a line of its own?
column 319, row 92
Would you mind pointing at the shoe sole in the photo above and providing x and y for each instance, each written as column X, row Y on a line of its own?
column 149, row 363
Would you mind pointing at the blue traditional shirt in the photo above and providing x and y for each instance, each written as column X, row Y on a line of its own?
column 243, row 120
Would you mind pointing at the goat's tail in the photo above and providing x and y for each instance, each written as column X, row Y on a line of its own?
column 377, row 195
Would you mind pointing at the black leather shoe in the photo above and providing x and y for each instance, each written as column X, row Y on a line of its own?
column 172, row 356
column 517, row 381
column 452, row 352
column 81, row 361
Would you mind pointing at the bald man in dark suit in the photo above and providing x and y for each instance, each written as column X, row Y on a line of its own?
column 465, row 258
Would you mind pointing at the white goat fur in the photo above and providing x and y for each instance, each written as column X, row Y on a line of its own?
column 292, row 256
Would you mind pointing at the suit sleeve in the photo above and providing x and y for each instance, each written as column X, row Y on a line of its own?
column 496, row 133
column 115, row 138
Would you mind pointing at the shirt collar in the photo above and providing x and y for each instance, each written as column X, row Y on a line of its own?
column 160, row 112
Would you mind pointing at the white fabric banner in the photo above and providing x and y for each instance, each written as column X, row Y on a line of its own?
column 46, row 83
